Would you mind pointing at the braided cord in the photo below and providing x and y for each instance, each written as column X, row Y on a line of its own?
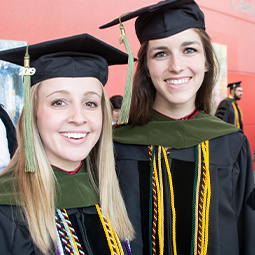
column 161, row 205
column 172, row 202
column 118, row 243
column 155, row 215
column 64, row 246
column 197, row 196
column 67, row 231
column 151, row 196
column 75, row 239
column 205, row 149
column 158, row 200
column 127, row 245
column 110, row 239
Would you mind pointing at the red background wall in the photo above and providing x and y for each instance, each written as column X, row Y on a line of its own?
column 228, row 22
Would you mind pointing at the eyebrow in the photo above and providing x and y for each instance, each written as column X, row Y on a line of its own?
column 67, row 93
column 184, row 44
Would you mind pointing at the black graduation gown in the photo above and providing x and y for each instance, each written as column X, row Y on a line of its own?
column 225, row 111
column 231, row 217
column 10, row 131
column 15, row 238
column 73, row 194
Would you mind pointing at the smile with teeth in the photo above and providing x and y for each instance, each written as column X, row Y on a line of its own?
column 177, row 81
column 74, row 135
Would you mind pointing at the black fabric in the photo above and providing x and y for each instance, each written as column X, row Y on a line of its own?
column 15, row 237
column 10, row 131
column 183, row 176
column 164, row 19
column 225, row 111
column 231, row 219
column 75, row 56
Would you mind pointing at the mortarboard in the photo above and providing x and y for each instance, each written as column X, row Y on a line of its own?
column 163, row 19
column 234, row 85
column 76, row 56
column 156, row 21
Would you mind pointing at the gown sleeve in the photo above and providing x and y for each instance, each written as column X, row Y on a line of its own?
column 243, row 180
column 14, row 235
column 224, row 112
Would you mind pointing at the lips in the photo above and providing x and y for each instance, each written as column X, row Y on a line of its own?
column 74, row 135
column 177, row 81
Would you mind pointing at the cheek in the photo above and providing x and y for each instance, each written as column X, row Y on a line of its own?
column 96, row 121
column 46, row 121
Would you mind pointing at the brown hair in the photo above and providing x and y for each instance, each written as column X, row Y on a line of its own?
column 144, row 91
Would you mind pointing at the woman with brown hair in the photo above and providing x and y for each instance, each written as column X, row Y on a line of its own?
column 59, row 193
column 186, row 176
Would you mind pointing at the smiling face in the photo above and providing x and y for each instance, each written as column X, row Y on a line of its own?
column 177, row 66
column 69, row 119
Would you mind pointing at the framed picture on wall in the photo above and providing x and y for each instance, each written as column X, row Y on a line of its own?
column 220, row 89
column 11, row 83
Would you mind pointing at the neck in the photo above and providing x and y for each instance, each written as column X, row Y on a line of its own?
column 175, row 111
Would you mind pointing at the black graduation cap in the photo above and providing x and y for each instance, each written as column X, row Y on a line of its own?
column 234, row 85
column 163, row 19
column 76, row 56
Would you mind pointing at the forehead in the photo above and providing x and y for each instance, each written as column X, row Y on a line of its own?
column 189, row 35
column 239, row 89
column 70, row 85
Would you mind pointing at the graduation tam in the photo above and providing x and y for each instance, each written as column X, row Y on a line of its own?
column 234, row 85
column 76, row 56
column 163, row 19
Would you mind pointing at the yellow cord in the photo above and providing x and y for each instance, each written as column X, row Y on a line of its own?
column 205, row 149
column 159, row 203
column 237, row 122
column 119, row 244
column 105, row 229
column 197, row 197
column 172, row 202
column 161, row 223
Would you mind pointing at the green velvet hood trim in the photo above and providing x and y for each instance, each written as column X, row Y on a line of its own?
column 73, row 191
column 161, row 130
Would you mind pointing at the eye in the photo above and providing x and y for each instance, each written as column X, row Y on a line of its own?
column 160, row 54
column 190, row 50
column 58, row 103
column 91, row 104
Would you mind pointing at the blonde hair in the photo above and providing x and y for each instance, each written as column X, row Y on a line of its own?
column 36, row 191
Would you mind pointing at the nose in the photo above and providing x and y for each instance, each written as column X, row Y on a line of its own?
column 77, row 115
column 176, row 63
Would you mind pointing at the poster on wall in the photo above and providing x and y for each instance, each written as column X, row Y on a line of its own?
column 11, row 83
column 220, row 89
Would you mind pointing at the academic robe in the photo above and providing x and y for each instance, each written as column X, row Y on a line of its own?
column 10, row 131
column 228, row 113
column 74, row 194
column 231, row 214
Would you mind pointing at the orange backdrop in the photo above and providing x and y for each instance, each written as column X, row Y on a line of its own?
column 228, row 22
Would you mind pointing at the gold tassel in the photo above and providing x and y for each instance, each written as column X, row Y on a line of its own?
column 125, row 107
column 30, row 164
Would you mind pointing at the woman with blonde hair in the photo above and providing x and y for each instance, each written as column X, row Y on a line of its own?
column 60, row 193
